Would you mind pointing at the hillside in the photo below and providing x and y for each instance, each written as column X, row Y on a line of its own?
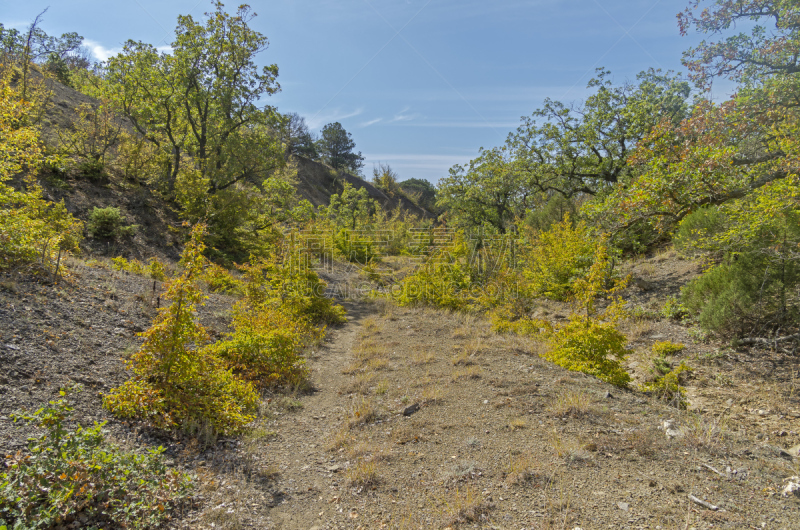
column 140, row 206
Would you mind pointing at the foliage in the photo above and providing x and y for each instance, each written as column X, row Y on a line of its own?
column 220, row 280
column 673, row 309
column 554, row 259
column 595, row 348
column 385, row 179
column 352, row 208
column 668, row 387
column 747, row 294
column 177, row 381
column 336, row 148
column 421, row 192
column 442, row 281
column 590, row 341
column 31, row 228
column 583, row 149
column 72, row 473
column 664, row 348
column 488, row 193
column 202, row 99
column 154, row 268
column 93, row 136
column 284, row 282
column 298, row 139
column 107, row 223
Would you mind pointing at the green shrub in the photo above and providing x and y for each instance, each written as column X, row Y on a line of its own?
column 674, row 309
column 75, row 475
column 664, row 348
column 176, row 381
column 107, row 223
column 92, row 169
column 154, row 268
column 750, row 292
column 699, row 225
column 556, row 258
column 668, row 387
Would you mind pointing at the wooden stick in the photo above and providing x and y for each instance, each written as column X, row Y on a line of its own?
column 703, row 503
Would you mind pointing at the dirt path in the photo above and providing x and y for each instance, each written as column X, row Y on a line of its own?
column 308, row 472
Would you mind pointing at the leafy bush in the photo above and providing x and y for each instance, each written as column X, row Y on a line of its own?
column 674, row 309
column 75, row 475
column 220, row 280
column 154, row 269
column 442, row 281
column 285, row 283
column 555, row 258
column 177, row 381
column 31, row 228
column 699, row 226
column 664, row 348
column 750, row 292
column 265, row 347
column 591, row 347
column 107, row 223
column 668, row 387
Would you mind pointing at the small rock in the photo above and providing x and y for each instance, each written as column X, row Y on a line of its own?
column 408, row 411
column 608, row 395
column 591, row 447
column 334, row 468
column 794, row 451
column 793, row 488
column 12, row 347
column 671, row 430
column 623, row 506
column 762, row 412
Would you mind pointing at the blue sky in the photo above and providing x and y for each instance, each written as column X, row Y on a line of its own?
column 420, row 84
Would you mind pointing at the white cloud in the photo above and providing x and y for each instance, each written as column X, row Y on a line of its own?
column 370, row 122
column 404, row 116
column 100, row 52
column 324, row 117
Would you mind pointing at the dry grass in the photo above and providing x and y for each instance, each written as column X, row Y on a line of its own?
column 340, row 439
column 635, row 329
column 517, row 424
column 377, row 364
column 463, row 358
column 469, row 372
column 362, row 412
column 564, row 447
column 422, row 357
column 382, row 388
column 704, row 431
column 572, row 403
column 360, row 384
column 363, row 473
column 519, row 468
column 463, row 506
column 432, row 394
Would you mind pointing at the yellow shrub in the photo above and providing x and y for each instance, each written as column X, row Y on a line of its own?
column 557, row 257
column 31, row 228
column 668, row 387
column 664, row 348
column 586, row 345
column 442, row 281
column 220, row 280
column 266, row 346
column 154, row 269
column 176, row 381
